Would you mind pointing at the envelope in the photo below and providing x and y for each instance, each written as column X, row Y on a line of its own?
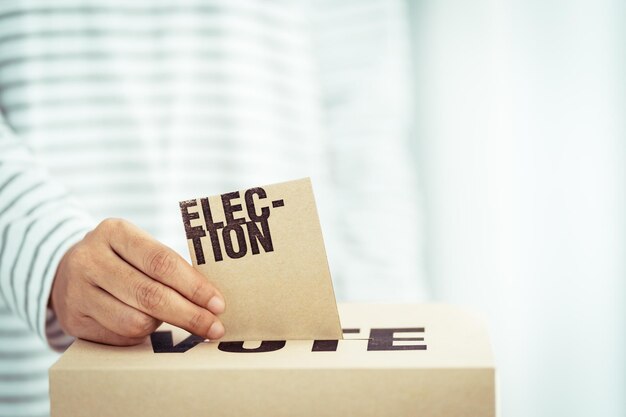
column 262, row 247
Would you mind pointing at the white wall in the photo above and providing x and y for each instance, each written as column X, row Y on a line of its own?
column 522, row 147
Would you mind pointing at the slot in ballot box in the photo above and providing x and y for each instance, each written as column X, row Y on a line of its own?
column 395, row 360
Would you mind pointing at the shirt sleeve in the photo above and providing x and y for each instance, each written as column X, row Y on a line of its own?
column 39, row 222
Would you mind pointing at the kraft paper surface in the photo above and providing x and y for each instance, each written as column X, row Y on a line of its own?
column 262, row 247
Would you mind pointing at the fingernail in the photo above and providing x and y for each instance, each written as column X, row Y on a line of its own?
column 215, row 331
column 216, row 304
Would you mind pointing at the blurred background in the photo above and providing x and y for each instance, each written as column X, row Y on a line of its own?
column 520, row 138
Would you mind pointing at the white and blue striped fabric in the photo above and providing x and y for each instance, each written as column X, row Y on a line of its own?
column 121, row 109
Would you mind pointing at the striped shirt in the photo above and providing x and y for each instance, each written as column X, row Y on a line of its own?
column 121, row 109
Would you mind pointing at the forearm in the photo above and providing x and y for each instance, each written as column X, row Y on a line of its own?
column 39, row 221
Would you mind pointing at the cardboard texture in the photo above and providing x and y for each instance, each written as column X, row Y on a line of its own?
column 263, row 248
column 395, row 360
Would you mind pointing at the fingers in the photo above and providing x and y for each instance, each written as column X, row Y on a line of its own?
column 164, row 265
column 137, row 290
column 118, row 317
column 90, row 329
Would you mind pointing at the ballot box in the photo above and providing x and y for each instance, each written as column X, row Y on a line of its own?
column 395, row 360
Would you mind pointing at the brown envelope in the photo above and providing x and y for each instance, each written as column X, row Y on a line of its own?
column 263, row 248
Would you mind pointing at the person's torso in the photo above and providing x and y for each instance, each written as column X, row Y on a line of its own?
column 135, row 106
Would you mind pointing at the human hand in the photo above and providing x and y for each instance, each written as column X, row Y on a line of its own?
column 118, row 284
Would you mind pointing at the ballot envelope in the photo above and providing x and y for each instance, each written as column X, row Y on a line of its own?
column 395, row 360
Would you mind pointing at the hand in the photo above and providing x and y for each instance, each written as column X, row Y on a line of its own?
column 118, row 284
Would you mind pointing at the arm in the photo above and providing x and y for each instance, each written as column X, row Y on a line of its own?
column 39, row 221
column 112, row 284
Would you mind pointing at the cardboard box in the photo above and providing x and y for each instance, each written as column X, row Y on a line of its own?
column 395, row 360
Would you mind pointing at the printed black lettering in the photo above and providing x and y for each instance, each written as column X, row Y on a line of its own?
column 162, row 342
column 193, row 232
column 212, row 228
column 257, row 236
column 330, row 345
column 251, row 207
column 232, row 230
column 380, row 340
column 325, row 346
column 242, row 248
column 230, row 209
column 383, row 339
column 265, row 346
